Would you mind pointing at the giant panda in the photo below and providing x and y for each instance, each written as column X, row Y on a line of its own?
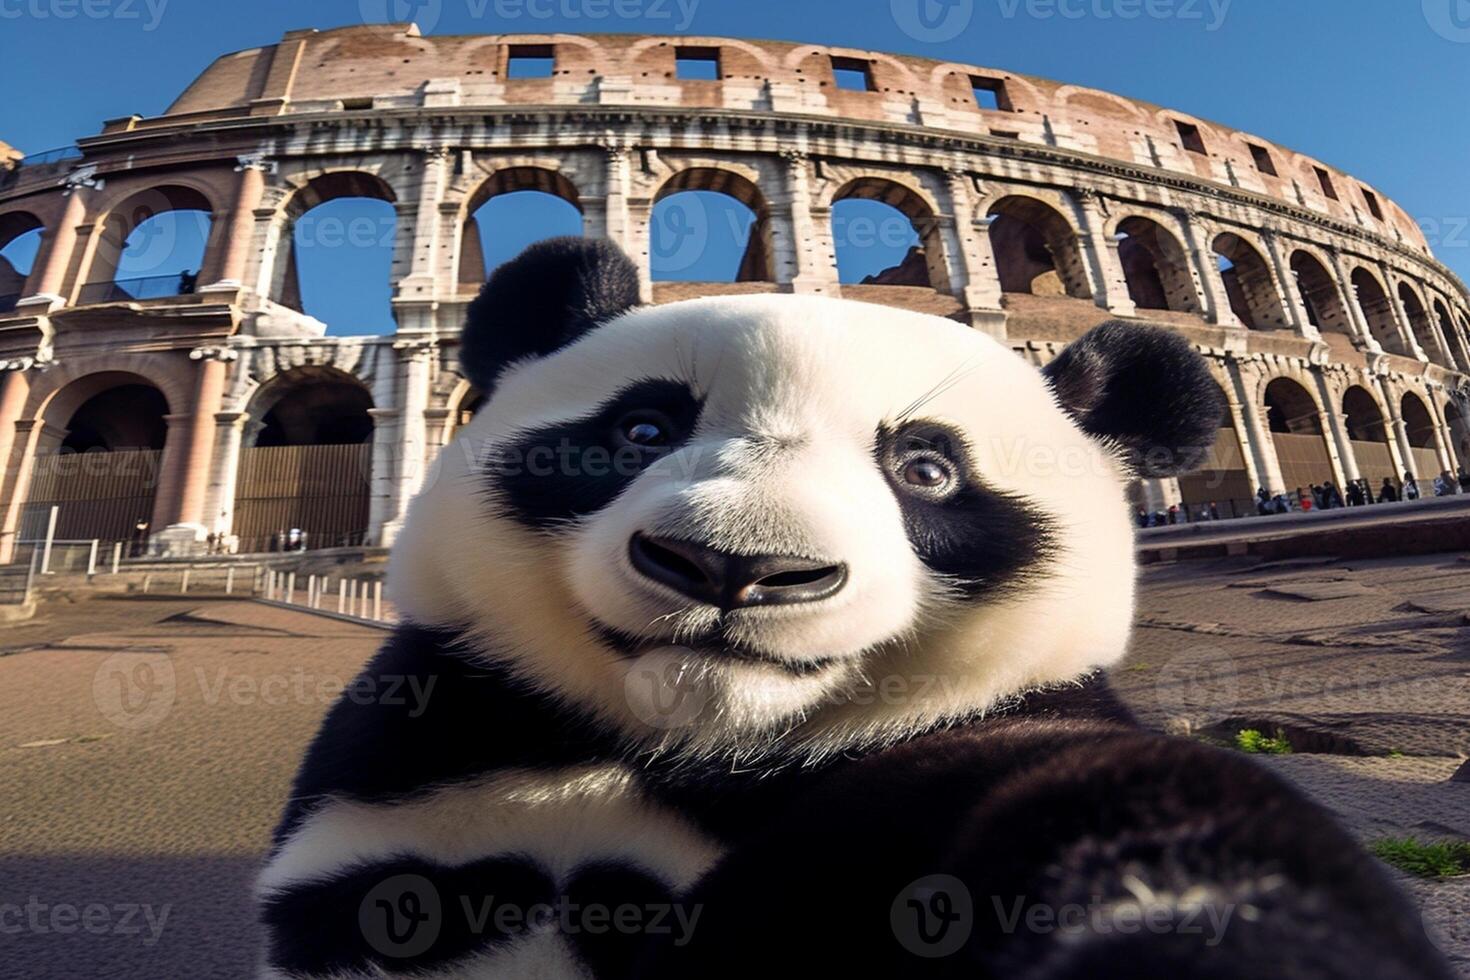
column 766, row 635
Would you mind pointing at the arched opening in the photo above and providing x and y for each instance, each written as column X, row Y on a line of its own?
column 1296, row 432
column 710, row 225
column 335, row 255
column 99, row 466
column 305, row 470
column 1459, row 433
column 1378, row 311
column 1419, row 324
column 1459, row 353
column 514, row 208
column 1419, row 430
column 1222, row 479
column 1368, row 432
column 886, row 235
column 20, row 239
column 1155, row 267
column 1320, row 295
column 1036, row 250
column 150, row 246
column 1248, row 284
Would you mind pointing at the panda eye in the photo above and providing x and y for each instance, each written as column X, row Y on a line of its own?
column 931, row 474
column 645, row 429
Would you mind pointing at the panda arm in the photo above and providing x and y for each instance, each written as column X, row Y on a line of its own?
column 1069, row 849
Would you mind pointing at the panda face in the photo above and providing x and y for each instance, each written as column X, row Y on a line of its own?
column 727, row 522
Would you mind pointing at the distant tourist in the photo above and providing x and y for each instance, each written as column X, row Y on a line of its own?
column 1387, row 493
column 1411, row 487
column 1355, row 494
column 1306, row 500
column 1214, row 511
column 1367, row 491
column 1263, row 502
column 1330, row 496
column 1141, row 517
column 1173, row 513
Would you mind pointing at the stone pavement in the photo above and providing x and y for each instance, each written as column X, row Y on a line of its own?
column 146, row 743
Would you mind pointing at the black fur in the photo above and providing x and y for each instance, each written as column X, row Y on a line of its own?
column 984, row 540
column 1036, row 818
column 542, row 300
column 1143, row 388
column 382, row 740
column 569, row 469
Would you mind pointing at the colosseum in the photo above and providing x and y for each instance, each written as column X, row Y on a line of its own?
column 209, row 406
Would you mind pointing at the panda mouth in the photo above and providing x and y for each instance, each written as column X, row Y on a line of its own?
column 712, row 645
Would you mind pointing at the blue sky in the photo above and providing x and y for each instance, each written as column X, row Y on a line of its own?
column 1377, row 88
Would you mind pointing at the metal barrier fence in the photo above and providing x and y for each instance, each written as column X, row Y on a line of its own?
column 359, row 598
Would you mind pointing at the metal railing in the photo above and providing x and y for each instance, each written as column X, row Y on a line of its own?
column 143, row 287
column 43, row 157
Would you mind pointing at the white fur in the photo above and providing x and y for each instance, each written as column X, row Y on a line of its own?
column 782, row 461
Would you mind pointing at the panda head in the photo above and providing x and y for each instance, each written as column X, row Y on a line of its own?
column 735, row 522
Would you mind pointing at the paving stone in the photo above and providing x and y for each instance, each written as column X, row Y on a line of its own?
column 1320, row 591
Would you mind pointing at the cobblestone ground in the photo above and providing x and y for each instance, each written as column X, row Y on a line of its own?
column 146, row 743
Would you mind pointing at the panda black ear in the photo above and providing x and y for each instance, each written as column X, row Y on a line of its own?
column 1143, row 389
column 543, row 299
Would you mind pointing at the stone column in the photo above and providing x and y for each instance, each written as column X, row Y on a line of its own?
column 1110, row 288
column 813, row 264
column 972, row 271
column 421, row 282
column 1211, row 287
column 47, row 284
column 166, row 495
column 1401, row 318
column 1339, row 452
column 1257, row 433
column 1398, row 447
column 1247, row 456
column 229, row 437
column 411, row 449
column 15, row 389
column 227, row 269
column 209, row 390
column 1296, row 309
column 624, row 221
column 17, row 478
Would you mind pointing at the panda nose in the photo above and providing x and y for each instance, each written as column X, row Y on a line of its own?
column 733, row 581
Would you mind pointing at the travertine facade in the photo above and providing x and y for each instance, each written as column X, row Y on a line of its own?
column 1042, row 208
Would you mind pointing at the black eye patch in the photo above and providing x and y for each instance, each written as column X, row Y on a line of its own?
column 985, row 540
column 551, row 475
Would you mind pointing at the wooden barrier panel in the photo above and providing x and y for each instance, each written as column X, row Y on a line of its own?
column 322, row 491
column 101, row 495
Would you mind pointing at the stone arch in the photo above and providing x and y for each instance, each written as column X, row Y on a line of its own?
column 925, row 262
column 551, row 185
column 1320, row 294
column 1419, row 325
column 1223, row 478
column 1377, row 310
column 305, row 471
column 1419, row 432
column 97, row 458
column 1249, row 284
column 1037, row 249
column 696, row 230
column 104, row 282
column 1155, row 266
column 282, row 277
column 1294, row 418
column 1458, row 356
column 15, row 226
column 1370, row 435
column 1458, row 421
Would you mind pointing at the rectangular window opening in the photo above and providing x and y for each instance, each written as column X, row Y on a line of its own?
column 1373, row 207
column 697, row 64
column 1189, row 137
column 853, row 74
column 1262, row 157
column 531, row 61
column 1325, row 179
column 990, row 93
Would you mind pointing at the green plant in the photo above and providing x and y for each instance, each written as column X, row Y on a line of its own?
column 1432, row 859
column 1251, row 740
